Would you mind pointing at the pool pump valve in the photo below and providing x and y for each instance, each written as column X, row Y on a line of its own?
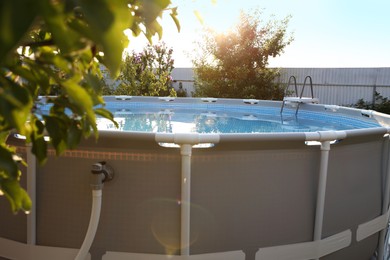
column 101, row 172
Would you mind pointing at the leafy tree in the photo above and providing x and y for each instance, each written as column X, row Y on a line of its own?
column 51, row 47
column 147, row 73
column 234, row 64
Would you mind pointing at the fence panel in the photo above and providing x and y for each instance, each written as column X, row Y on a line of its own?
column 337, row 86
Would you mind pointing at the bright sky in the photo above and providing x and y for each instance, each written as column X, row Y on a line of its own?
column 327, row 33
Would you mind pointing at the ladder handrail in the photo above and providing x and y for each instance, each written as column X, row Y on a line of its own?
column 295, row 85
column 311, row 86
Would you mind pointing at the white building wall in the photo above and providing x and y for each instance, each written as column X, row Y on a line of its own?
column 185, row 76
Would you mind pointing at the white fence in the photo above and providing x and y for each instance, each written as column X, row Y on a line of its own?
column 342, row 86
column 338, row 86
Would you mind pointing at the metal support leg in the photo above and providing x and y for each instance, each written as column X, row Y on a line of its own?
column 325, row 147
column 186, row 151
column 385, row 206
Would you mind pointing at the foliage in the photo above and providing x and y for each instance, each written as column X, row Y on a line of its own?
column 51, row 47
column 234, row 64
column 381, row 104
column 147, row 73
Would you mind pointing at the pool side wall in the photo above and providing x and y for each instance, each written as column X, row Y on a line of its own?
column 244, row 195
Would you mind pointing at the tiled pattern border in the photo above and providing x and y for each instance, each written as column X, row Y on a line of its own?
column 105, row 155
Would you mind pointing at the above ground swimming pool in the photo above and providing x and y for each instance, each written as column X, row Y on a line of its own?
column 213, row 179
column 210, row 116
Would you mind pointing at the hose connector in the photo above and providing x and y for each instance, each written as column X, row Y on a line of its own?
column 101, row 172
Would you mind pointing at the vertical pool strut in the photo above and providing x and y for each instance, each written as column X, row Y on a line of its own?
column 385, row 208
column 325, row 138
column 185, row 151
column 186, row 141
column 321, row 192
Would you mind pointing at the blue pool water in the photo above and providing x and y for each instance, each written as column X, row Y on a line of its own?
column 204, row 118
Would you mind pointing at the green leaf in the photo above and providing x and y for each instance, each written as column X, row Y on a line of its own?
column 153, row 8
column 55, row 17
column 95, row 83
column 48, row 56
column 23, row 72
column 39, row 145
column 199, row 16
column 16, row 17
column 81, row 99
column 106, row 114
column 173, row 14
column 15, row 105
column 153, row 28
column 3, row 136
column 39, row 148
column 74, row 134
column 16, row 195
column 34, row 75
column 56, row 128
column 7, row 163
column 107, row 20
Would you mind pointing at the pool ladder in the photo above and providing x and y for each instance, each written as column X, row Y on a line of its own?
column 298, row 100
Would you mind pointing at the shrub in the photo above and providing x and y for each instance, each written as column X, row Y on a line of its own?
column 381, row 104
